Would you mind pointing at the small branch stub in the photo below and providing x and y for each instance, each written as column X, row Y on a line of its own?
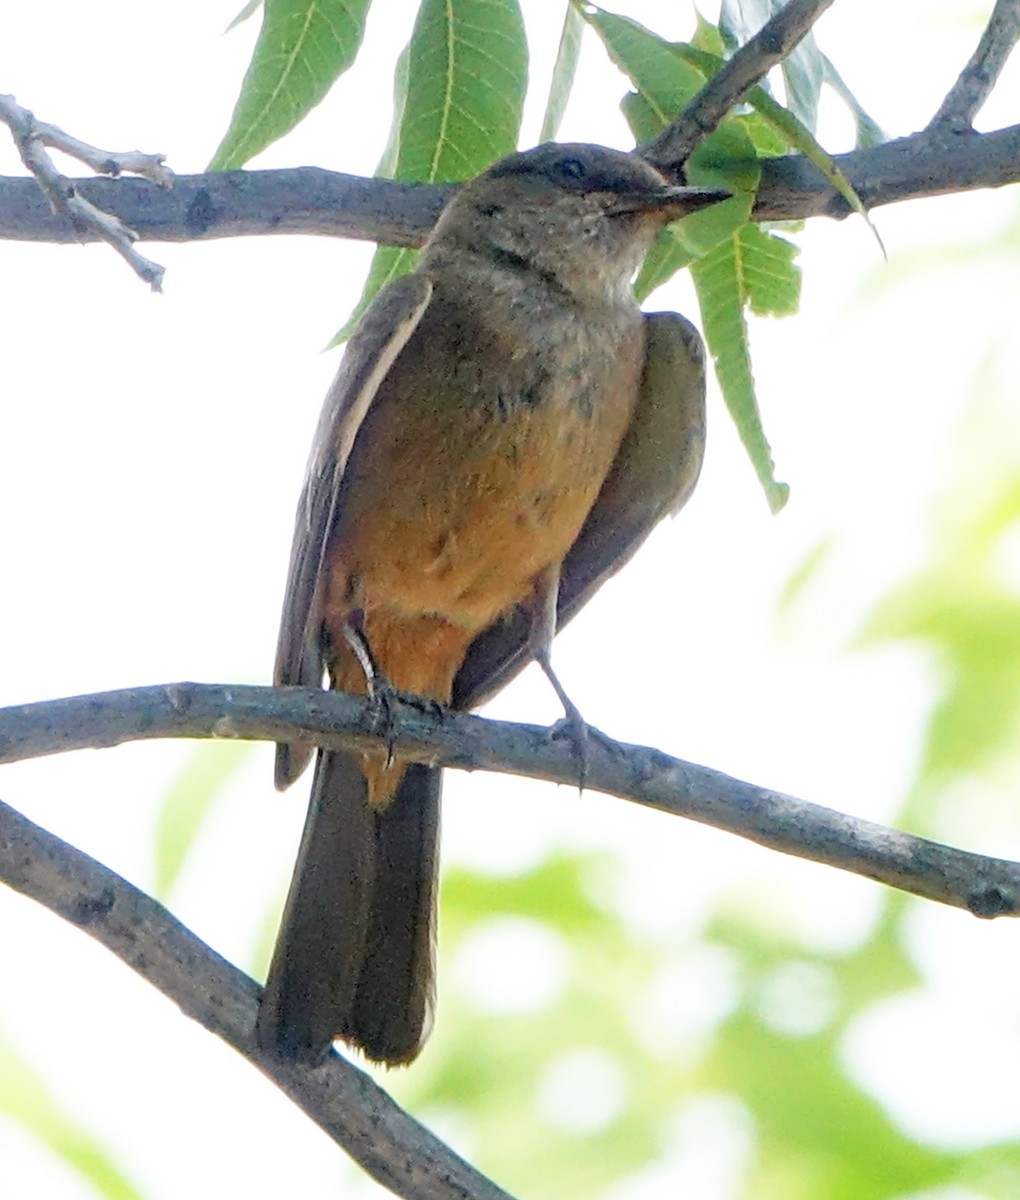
column 32, row 138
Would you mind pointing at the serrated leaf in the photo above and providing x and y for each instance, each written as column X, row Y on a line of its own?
column 771, row 279
column 302, row 48
column 564, row 70
column 187, row 805
column 466, row 70
column 719, row 280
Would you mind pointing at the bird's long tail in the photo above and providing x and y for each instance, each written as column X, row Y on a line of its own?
column 355, row 956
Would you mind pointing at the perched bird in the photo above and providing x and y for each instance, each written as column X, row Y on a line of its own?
column 504, row 430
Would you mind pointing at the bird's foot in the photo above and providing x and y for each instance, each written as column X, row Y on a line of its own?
column 384, row 699
column 573, row 727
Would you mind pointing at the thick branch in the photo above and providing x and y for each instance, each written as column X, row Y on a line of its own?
column 748, row 67
column 355, row 1112
column 303, row 200
column 307, row 200
column 979, row 76
column 987, row 887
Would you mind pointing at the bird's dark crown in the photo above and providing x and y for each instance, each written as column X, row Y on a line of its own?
column 579, row 167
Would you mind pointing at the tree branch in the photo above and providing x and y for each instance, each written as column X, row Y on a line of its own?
column 987, row 887
column 307, row 200
column 64, row 197
column 957, row 112
column 748, row 66
column 353, row 1110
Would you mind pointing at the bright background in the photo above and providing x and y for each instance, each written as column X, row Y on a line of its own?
column 150, row 457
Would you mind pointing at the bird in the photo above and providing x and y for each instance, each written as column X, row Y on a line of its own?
column 504, row 430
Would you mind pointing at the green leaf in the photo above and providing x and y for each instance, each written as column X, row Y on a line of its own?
column 388, row 163
column 564, row 70
column 733, row 263
column 666, row 83
column 774, row 129
column 708, row 37
column 726, row 159
column 803, row 69
column 249, row 10
column 869, row 132
column 466, row 74
column 771, row 278
column 24, row 1098
column 666, row 257
column 724, row 281
column 388, row 263
column 187, row 805
column 302, row 48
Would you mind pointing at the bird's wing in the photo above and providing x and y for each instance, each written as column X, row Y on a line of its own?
column 654, row 472
column 381, row 335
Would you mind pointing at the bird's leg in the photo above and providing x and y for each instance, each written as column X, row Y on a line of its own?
column 540, row 638
column 380, row 691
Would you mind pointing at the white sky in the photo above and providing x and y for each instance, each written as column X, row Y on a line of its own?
column 151, row 454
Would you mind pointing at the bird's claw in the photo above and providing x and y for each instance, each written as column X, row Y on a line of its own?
column 574, row 728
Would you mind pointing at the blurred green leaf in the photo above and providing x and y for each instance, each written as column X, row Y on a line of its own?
column 466, row 73
column 963, row 605
column 187, row 806
column 302, row 48
column 803, row 575
column 25, row 1099
column 563, row 73
column 490, row 1070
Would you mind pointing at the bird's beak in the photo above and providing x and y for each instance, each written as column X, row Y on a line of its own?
column 671, row 202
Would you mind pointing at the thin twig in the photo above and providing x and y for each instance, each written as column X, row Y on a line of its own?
column 987, row 887
column 981, row 73
column 748, row 66
column 32, row 137
column 354, row 1111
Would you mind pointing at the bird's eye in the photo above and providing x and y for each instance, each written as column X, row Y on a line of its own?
column 571, row 169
